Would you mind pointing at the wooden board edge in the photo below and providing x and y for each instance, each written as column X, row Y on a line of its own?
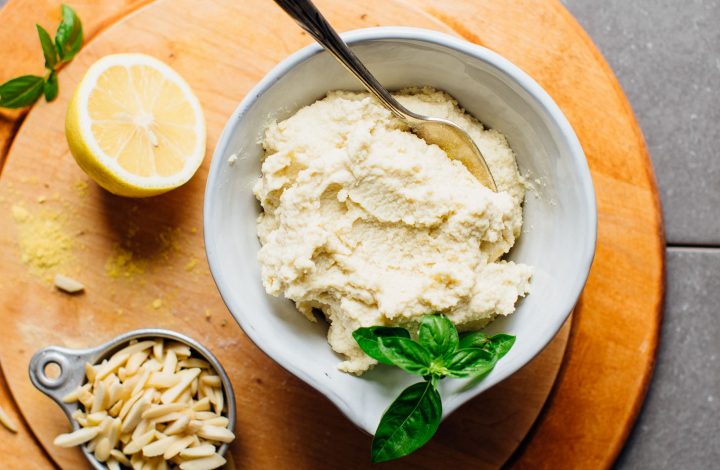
column 659, row 228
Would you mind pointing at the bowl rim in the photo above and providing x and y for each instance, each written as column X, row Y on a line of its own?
column 477, row 52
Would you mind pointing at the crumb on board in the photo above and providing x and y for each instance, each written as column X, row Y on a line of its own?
column 157, row 303
column 68, row 284
column 7, row 422
column 43, row 240
column 191, row 264
column 81, row 187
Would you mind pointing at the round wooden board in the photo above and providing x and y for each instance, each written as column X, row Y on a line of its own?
column 595, row 401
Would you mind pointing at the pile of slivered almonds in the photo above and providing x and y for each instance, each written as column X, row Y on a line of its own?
column 152, row 405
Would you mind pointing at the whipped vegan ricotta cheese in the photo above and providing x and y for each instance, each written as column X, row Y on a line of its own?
column 366, row 222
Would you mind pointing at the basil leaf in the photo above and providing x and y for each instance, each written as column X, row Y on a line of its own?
column 48, row 48
column 21, row 91
column 469, row 362
column 410, row 421
column 500, row 344
column 50, row 88
column 367, row 339
column 406, row 354
column 476, row 339
column 69, row 35
column 438, row 335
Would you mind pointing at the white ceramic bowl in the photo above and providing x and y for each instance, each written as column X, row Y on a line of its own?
column 560, row 214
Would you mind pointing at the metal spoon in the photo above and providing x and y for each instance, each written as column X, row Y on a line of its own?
column 448, row 136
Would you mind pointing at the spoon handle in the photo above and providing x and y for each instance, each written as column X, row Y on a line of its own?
column 306, row 14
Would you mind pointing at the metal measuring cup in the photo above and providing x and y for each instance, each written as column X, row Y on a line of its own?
column 72, row 373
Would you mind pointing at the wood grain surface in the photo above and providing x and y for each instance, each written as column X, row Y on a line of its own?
column 614, row 335
column 134, row 253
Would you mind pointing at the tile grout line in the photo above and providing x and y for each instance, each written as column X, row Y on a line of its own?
column 692, row 247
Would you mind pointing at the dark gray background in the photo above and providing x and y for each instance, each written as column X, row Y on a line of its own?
column 666, row 54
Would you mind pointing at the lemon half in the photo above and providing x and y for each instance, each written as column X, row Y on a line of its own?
column 135, row 126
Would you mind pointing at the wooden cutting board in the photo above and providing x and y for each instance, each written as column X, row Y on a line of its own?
column 222, row 49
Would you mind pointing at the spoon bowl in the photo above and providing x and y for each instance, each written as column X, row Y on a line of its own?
column 452, row 139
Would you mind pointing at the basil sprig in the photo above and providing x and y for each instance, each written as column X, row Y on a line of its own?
column 413, row 418
column 27, row 89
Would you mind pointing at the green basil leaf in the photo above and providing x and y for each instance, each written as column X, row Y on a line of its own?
column 410, row 421
column 476, row 339
column 69, row 35
column 21, row 91
column 50, row 88
column 501, row 344
column 406, row 354
column 469, row 362
column 48, row 48
column 438, row 335
column 367, row 339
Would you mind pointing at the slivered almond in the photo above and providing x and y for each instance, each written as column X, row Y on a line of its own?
column 135, row 361
column 216, row 433
column 96, row 418
column 75, row 394
column 90, row 372
column 202, row 405
column 178, row 446
column 159, row 447
column 179, row 425
column 179, row 349
column 102, row 449
column 203, row 450
column 75, row 438
column 161, row 380
column 170, row 363
column 204, row 463
column 187, row 376
column 211, row 380
column 135, row 347
column 220, row 421
column 99, row 397
column 136, row 445
column 219, row 401
column 68, row 284
column 113, row 364
column 159, row 350
column 194, row 362
column 120, row 457
column 134, row 415
column 156, row 411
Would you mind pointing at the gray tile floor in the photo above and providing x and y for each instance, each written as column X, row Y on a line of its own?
column 666, row 54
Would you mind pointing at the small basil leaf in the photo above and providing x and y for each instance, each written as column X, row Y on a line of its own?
column 69, row 35
column 50, row 88
column 438, row 335
column 501, row 344
column 410, row 421
column 21, row 91
column 405, row 354
column 476, row 339
column 367, row 339
column 469, row 362
column 48, row 47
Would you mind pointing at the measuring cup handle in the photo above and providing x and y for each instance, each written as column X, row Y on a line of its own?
column 72, row 371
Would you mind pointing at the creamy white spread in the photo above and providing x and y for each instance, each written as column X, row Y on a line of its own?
column 366, row 222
